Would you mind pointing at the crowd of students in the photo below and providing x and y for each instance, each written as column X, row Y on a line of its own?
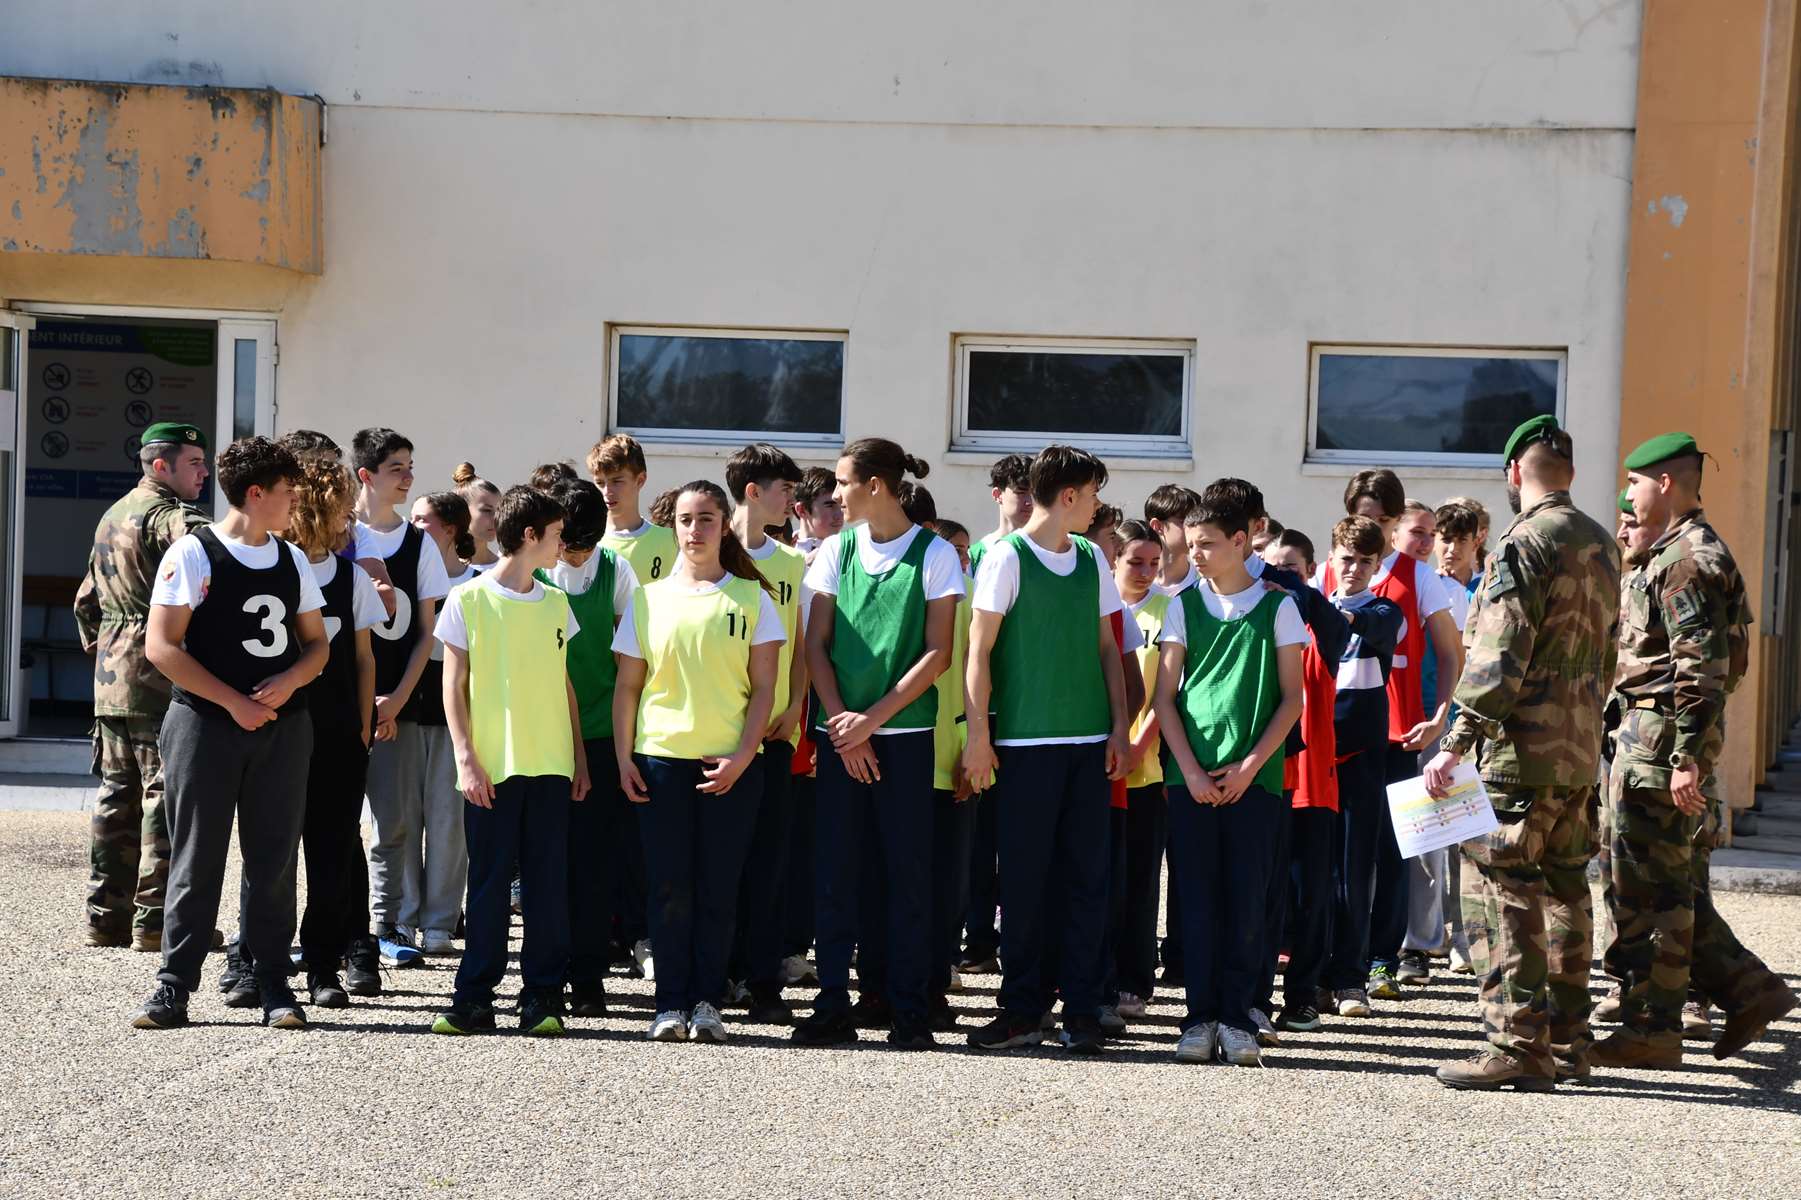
column 800, row 730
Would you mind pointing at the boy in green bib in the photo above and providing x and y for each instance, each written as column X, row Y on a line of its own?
column 598, row 585
column 515, row 723
column 1228, row 691
column 1046, row 704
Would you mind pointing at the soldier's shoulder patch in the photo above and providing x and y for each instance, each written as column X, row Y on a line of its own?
column 1501, row 578
column 1684, row 606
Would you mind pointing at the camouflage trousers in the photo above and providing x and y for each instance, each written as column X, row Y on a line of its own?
column 1668, row 936
column 128, row 838
column 1530, row 920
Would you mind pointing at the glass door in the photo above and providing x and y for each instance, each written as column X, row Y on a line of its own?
column 13, row 330
column 246, row 358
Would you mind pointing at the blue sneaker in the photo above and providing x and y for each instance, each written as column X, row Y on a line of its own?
column 397, row 949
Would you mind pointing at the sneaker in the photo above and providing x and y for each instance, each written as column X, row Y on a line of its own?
column 1351, row 1002
column 1007, row 1031
column 980, row 964
column 1325, row 1000
column 326, row 990
column 872, row 1011
column 798, row 972
column 1383, row 985
column 362, row 966
column 244, row 991
column 1697, row 1022
column 706, row 1025
column 956, row 981
column 1414, row 967
column 1298, row 1019
column 910, row 1033
column 1266, row 1032
column 1111, row 1021
column 397, row 949
column 541, row 1016
column 462, row 1019
column 588, row 1003
column 1460, row 962
column 237, row 967
column 1082, row 1037
column 737, row 994
column 825, row 1029
column 768, row 1008
column 940, row 1016
column 1198, row 1043
column 641, row 956
column 167, row 1008
column 281, row 1009
column 1490, row 1071
column 669, row 1026
column 1238, row 1048
column 437, row 941
column 1130, row 1006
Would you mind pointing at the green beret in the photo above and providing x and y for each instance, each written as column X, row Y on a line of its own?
column 1658, row 449
column 1626, row 503
column 1529, row 431
column 174, row 431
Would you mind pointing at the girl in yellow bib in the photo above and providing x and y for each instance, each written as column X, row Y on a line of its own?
column 698, row 654
column 1141, row 829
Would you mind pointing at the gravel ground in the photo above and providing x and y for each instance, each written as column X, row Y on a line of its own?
column 366, row 1103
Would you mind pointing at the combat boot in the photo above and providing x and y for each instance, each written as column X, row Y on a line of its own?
column 147, row 941
column 1747, row 1025
column 104, row 936
column 1638, row 1051
column 1609, row 1008
column 1575, row 1070
column 1490, row 1071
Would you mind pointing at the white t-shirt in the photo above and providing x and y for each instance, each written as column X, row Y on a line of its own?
column 433, row 583
column 1193, row 577
column 997, row 578
column 452, row 630
column 185, row 573
column 366, row 609
column 941, row 574
column 1290, row 629
column 1459, row 597
column 577, row 580
column 769, row 619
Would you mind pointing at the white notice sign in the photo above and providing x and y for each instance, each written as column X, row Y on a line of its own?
column 1424, row 823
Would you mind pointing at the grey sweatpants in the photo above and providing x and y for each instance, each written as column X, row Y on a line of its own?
column 418, row 861
column 215, row 771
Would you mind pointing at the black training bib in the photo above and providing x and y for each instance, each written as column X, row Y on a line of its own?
column 247, row 626
column 332, row 697
column 393, row 639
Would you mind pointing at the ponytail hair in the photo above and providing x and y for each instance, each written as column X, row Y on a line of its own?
column 732, row 554
column 453, row 510
column 879, row 458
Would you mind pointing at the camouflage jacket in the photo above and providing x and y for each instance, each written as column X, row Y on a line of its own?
column 1685, row 638
column 1539, row 647
column 112, row 608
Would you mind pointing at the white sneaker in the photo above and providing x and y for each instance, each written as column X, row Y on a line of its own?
column 671, row 1026
column 1239, row 1048
column 956, row 983
column 438, row 941
column 641, row 956
column 1352, row 1002
column 1111, row 1021
column 1197, row 1043
column 1130, row 1006
column 1460, row 962
column 797, row 971
column 1266, row 1032
column 706, row 1025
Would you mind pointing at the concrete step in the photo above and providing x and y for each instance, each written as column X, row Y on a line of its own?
column 42, row 791
column 46, row 756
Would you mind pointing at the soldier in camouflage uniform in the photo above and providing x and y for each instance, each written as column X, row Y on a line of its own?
column 1539, row 648
column 1685, row 630
column 129, row 839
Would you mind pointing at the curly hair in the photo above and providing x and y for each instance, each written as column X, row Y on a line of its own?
column 254, row 462
column 322, row 498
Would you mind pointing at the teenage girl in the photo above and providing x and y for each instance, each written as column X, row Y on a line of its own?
column 483, row 499
column 698, row 652
column 1140, row 830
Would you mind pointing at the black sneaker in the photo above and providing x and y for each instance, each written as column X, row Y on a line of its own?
column 587, row 1002
column 825, row 1029
column 1008, row 1031
column 362, row 966
column 541, row 1016
column 237, row 968
column 768, row 1008
column 911, row 1033
column 940, row 1016
column 872, row 1011
column 167, row 1008
column 243, row 992
column 1413, row 967
column 281, row 1008
column 1082, row 1036
column 326, row 990
column 465, row 1018
column 1298, row 1018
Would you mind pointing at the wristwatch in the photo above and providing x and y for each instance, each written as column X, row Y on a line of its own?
column 1681, row 760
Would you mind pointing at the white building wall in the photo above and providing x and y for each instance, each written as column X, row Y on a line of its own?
column 1251, row 176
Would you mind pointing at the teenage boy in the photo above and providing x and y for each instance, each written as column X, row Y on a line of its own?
column 1165, row 510
column 598, row 584
column 1045, row 702
column 235, row 628
column 391, row 548
column 817, row 509
column 1010, row 487
column 1360, row 731
column 1228, row 692
column 1378, row 495
column 616, row 464
column 516, row 723
column 761, row 481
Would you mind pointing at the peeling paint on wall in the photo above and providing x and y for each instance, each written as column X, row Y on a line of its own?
column 1676, row 206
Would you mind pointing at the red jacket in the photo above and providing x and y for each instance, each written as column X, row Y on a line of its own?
column 1312, row 775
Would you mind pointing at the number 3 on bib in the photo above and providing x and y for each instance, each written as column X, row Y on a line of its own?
column 273, row 624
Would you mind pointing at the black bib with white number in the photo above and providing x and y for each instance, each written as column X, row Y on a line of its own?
column 246, row 628
column 332, row 697
column 394, row 638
